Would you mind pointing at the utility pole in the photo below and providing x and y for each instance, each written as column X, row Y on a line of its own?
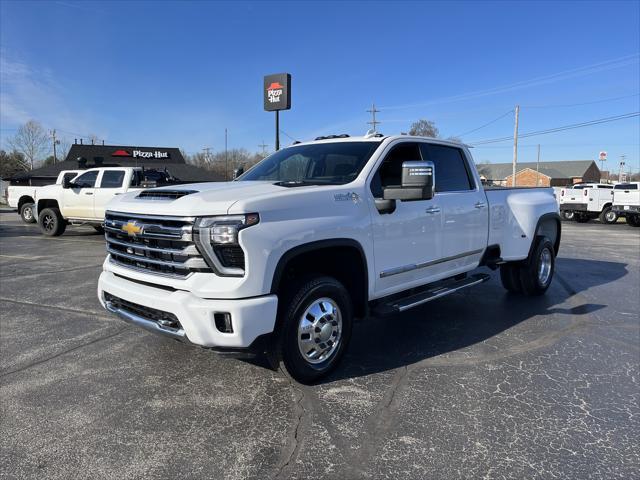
column 373, row 121
column 226, row 157
column 55, row 142
column 515, row 147
column 207, row 154
column 538, row 168
column 623, row 157
column 264, row 148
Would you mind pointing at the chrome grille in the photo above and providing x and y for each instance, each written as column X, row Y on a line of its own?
column 156, row 244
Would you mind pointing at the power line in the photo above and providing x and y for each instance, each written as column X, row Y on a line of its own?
column 485, row 125
column 583, row 103
column 288, row 136
column 560, row 129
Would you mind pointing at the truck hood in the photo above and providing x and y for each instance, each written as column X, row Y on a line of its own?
column 196, row 199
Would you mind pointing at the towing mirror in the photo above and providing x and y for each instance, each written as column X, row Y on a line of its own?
column 66, row 183
column 418, row 182
column 238, row 171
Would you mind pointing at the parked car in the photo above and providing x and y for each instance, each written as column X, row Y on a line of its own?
column 583, row 202
column 626, row 202
column 284, row 258
column 23, row 197
column 82, row 201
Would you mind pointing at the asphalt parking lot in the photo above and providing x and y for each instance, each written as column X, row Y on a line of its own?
column 480, row 384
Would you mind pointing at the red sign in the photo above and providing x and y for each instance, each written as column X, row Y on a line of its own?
column 120, row 153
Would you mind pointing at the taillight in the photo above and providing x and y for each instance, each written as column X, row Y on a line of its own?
column 562, row 192
column 586, row 192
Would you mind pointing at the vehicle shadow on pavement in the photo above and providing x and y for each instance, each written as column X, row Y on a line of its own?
column 472, row 325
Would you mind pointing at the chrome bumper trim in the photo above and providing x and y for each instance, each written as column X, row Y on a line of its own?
column 147, row 324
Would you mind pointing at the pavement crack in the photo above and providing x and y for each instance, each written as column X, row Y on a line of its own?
column 69, row 350
column 294, row 441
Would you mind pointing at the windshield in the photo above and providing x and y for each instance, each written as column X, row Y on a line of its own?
column 334, row 163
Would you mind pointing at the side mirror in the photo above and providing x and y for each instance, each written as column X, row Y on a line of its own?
column 238, row 171
column 418, row 182
column 66, row 183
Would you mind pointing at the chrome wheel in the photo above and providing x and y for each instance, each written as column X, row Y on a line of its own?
column 320, row 330
column 611, row 216
column 544, row 266
column 27, row 213
column 48, row 223
column 568, row 215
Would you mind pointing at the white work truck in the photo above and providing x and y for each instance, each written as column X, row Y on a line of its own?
column 583, row 202
column 22, row 197
column 626, row 202
column 82, row 201
column 282, row 259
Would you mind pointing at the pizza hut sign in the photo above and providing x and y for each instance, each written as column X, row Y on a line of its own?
column 277, row 92
column 154, row 154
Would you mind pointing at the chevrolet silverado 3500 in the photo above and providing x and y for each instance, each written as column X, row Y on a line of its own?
column 282, row 259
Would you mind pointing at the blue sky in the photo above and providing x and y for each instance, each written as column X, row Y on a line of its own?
column 178, row 73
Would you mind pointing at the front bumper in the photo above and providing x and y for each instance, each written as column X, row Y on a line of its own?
column 573, row 207
column 251, row 317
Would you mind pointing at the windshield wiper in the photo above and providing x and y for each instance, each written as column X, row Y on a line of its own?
column 304, row 183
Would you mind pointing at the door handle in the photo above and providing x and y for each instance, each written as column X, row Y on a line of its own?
column 88, row 193
column 432, row 210
column 480, row 205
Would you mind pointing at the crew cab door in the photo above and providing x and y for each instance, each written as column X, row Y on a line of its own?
column 112, row 183
column 464, row 207
column 408, row 240
column 77, row 202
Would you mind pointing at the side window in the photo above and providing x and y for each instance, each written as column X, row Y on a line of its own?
column 112, row 179
column 452, row 174
column 390, row 171
column 87, row 180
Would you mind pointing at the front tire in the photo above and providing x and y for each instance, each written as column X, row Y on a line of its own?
column 608, row 216
column 51, row 222
column 99, row 229
column 314, row 329
column 26, row 213
column 536, row 273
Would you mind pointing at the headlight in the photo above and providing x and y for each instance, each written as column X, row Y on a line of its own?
column 217, row 236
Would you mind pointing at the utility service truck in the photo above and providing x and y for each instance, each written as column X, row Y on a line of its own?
column 22, row 197
column 583, row 202
column 626, row 202
column 284, row 258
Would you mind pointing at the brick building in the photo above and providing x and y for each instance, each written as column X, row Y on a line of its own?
column 546, row 174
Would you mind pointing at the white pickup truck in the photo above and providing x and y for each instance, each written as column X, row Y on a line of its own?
column 586, row 201
column 82, row 201
column 22, row 197
column 282, row 259
column 626, row 202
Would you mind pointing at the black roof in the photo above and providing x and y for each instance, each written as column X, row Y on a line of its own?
column 81, row 157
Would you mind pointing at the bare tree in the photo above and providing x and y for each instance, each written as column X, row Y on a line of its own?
column 32, row 141
column 424, row 128
column 62, row 150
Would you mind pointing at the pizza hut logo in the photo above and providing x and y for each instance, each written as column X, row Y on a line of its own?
column 274, row 92
column 120, row 153
column 154, row 154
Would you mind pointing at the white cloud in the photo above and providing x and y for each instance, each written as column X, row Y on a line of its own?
column 28, row 93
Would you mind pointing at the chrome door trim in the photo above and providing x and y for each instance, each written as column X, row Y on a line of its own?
column 416, row 266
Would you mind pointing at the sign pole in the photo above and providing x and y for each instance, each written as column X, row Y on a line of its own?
column 277, row 130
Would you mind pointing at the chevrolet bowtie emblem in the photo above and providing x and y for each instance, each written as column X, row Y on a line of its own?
column 132, row 229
